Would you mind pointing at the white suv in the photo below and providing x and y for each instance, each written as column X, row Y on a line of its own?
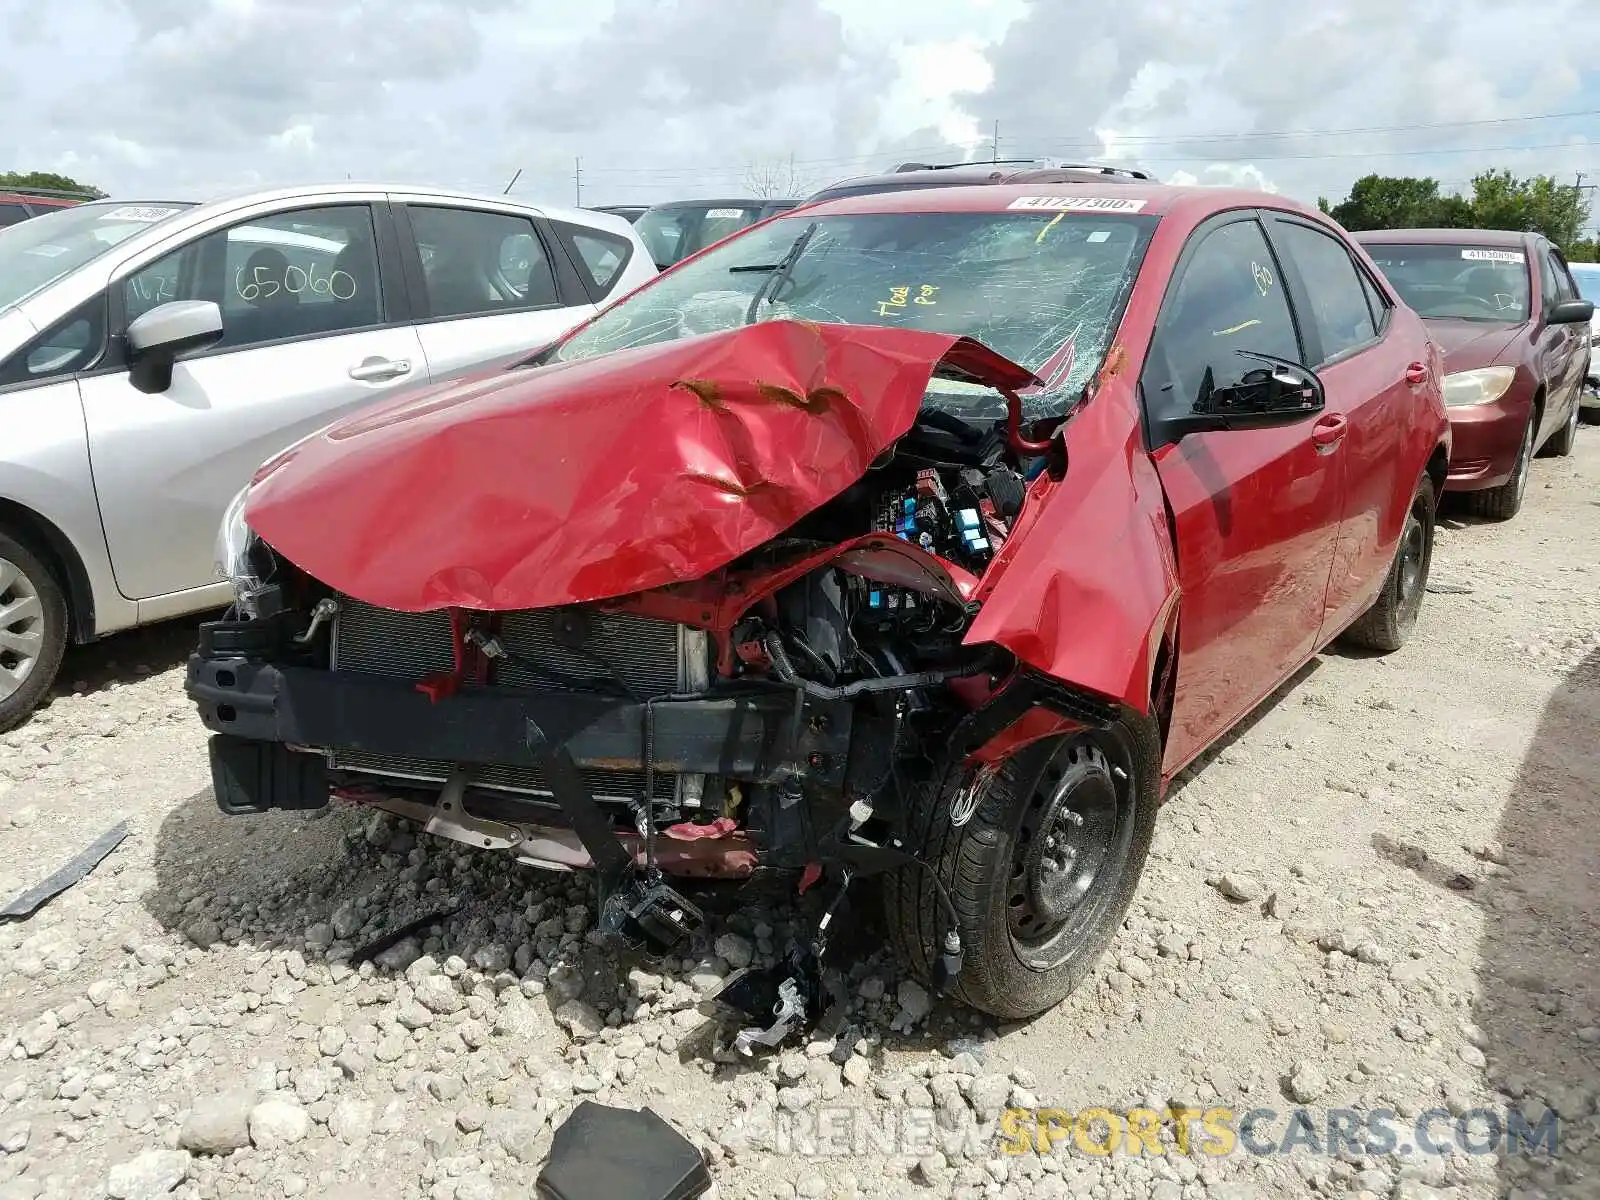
column 152, row 355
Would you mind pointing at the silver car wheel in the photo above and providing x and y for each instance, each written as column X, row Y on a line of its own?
column 21, row 627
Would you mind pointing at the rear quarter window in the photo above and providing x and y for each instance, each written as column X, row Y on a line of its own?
column 599, row 256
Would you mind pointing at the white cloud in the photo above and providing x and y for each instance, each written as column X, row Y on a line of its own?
column 176, row 97
column 929, row 75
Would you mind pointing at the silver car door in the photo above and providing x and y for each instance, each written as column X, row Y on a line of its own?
column 486, row 283
column 307, row 337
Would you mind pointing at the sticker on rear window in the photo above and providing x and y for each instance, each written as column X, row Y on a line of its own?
column 723, row 214
column 1505, row 256
column 47, row 251
column 1077, row 203
column 139, row 212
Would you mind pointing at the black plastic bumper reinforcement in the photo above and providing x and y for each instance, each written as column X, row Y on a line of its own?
column 750, row 736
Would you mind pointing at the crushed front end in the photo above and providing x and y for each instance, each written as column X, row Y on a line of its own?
column 775, row 714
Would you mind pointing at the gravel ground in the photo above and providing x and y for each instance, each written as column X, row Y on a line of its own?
column 1380, row 895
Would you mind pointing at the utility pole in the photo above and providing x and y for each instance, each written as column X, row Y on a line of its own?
column 577, row 181
column 1578, row 189
column 995, row 157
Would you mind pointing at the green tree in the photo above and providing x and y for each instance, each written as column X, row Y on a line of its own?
column 1393, row 202
column 1502, row 201
column 45, row 179
column 1499, row 200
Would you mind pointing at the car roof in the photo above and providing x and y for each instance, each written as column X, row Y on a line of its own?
column 196, row 213
column 980, row 173
column 1447, row 237
column 234, row 197
column 1153, row 199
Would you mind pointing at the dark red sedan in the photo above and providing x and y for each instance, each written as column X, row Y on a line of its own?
column 923, row 535
column 1515, row 334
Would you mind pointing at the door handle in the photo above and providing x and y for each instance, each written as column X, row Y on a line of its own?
column 1416, row 374
column 375, row 370
column 1327, row 433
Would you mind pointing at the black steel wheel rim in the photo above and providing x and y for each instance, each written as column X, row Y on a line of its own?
column 1070, row 851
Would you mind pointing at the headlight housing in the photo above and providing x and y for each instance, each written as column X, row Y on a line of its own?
column 241, row 557
column 1481, row 386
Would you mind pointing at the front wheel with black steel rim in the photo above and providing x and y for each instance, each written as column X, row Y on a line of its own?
column 1393, row 615
column 1040, row 871
column 33, row 631
column 1504, row 502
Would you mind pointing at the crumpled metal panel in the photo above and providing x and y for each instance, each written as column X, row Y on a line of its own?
column 597, row 478
column 1086, row 584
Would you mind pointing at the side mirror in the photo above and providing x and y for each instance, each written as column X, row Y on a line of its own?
column 1570, row 312
column 157, row 339
column 1280, row 392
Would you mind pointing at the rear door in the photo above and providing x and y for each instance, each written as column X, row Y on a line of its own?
column 488, row 283
column 313, row 328
column 1256, row 512
column 1372, row 383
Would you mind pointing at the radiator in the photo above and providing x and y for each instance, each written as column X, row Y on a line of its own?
column 653, row 657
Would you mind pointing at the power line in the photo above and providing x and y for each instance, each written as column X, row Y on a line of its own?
column 1586, row 146
column 1176, row 139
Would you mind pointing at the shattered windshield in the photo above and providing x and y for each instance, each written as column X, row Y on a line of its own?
column 1022, row 283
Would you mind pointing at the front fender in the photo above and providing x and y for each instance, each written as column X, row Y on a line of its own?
column 1088, row 580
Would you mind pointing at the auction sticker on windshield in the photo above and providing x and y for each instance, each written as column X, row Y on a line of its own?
column 137, row 212
column 1077, row 203
column 1505, row 256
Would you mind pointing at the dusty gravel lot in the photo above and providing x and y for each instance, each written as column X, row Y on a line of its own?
column 1411, row 845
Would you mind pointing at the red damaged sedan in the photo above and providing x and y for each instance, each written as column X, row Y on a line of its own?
column 921, row 535
column 1515, row 334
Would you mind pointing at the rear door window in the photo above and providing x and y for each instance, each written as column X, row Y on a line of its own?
column 12, row 214
column 599, row 256
column 1339, row 310
column 477, row 263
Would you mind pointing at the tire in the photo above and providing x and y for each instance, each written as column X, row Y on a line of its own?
column 1560, row 446
column 1393, row 615
column 33, row 631
column 1504, row 502
column 1013, row 970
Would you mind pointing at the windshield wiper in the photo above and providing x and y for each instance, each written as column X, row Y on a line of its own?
column 780, row 273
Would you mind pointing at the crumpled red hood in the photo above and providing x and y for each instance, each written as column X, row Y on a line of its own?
column 596, row 478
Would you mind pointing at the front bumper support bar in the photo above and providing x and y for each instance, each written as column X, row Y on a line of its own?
column 758, row 736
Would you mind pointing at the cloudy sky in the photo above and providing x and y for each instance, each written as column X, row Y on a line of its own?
column 666, row 99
